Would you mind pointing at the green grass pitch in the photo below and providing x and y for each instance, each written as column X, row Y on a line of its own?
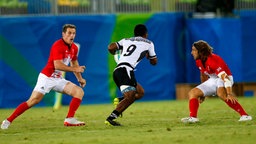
column 143, row 123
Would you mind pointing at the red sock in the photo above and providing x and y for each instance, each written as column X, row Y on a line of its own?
column 237, row 107
column 73, row 106
column 193, row 107
column 18, row 111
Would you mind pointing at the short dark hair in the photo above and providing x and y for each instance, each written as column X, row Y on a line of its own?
column 140, row 30
column 66, row 26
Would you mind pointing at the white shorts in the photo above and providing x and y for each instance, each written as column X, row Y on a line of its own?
column 209, row 87
column 46, row 84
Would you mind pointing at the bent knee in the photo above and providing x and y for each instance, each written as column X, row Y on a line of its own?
column 139, row 94
column 191, row 95
column 195, row 93
column 74, row 90
column 78, row 92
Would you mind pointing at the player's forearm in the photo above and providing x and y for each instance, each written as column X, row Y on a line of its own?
column 78, row 76
column 59, row 65
column 229, row 90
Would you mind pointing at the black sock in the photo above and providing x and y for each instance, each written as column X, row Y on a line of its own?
column 113, row 115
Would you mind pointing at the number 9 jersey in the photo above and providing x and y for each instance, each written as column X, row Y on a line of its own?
column 134, row 49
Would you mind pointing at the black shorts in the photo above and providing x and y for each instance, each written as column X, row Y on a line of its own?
column 121, row 77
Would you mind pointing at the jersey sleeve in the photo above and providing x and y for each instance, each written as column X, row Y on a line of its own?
column 151, row 51
column 120, row 44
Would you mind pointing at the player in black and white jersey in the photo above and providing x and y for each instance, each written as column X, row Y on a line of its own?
column 134, row 49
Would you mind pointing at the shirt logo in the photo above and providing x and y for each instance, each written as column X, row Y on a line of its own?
column 219, row 69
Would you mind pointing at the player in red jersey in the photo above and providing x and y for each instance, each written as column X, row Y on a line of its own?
column 63, row 52
column 216, row 79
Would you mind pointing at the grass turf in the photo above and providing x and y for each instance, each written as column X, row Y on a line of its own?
column 143, row 123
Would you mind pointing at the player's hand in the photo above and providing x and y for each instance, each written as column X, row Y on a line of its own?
column 82, row 82
column 231, row 98
column 79, row 69
column 201, row 99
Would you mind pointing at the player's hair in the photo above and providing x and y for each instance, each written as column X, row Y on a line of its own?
column 204, row 49
column 66, row 26
column 140, row 30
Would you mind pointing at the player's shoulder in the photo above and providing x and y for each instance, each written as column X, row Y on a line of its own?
column 214, row 60
column 58, row 42
column 214, row 57
column 140, row 39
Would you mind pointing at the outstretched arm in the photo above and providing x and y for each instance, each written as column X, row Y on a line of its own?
column 59, row 65
column 228, row 86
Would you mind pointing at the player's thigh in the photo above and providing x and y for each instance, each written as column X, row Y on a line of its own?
column 60, row 84
column 123, row 76
column 195, row 93
column 221, row 92
column 120, row 76
column 44, row 84
column 209, row 87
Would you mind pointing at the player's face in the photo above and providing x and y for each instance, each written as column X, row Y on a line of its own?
column 194, row 53
column 69, row 35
